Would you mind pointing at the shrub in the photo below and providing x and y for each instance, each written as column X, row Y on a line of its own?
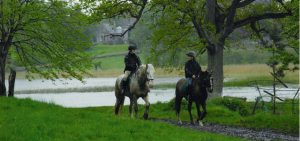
column 234, row 104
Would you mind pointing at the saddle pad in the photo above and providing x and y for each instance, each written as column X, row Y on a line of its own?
column 185, row 85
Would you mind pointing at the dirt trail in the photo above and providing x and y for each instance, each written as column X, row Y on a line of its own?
column 265, row 135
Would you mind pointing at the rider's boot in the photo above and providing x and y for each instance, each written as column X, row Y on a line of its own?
column 123, row 86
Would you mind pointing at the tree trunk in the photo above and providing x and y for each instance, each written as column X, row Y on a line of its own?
column 11, row 82
column 215, row 64
column 2, row 77
column 215, row 53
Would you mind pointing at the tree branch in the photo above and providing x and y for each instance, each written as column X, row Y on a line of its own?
column 244, row 3
column 200, row 31
column 137, row 17
column 230, row 19
column 251, row 19
column 257, row 31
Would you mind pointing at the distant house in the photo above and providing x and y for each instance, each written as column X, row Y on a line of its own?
column 110, row 32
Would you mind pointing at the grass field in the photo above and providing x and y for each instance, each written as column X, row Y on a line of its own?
column 27, row 120
column 107, row 49
column 24, row 119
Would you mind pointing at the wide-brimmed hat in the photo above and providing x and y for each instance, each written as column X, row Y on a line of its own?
column 191, row 54
column 132, row 47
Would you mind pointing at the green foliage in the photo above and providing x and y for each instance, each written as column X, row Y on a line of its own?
column 234, row 104
column 47, row 37
column 29, row 120
column 284, row 56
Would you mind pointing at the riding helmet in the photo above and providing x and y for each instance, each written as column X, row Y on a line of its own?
column 132, row 47
column 191, row 54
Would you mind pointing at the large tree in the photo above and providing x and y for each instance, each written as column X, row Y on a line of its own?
column 46, row 37
column 201, row 24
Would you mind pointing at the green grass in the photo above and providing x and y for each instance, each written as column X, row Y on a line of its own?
column 107, row 49
column 282, row 121
column 27, row 120
column 111, row 63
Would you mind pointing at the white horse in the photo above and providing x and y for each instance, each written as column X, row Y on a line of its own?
column 140, row 84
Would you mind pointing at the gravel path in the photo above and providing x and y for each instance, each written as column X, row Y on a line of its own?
column 265, row 135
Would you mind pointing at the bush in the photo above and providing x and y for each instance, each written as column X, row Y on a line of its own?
column 234, row 104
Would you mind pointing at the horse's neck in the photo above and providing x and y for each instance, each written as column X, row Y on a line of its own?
column 138, row 76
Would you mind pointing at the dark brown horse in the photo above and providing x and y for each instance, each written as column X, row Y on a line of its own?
column 198, row 94
column 139, row 87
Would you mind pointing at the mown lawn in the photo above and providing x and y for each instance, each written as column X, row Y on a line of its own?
column 27, row 120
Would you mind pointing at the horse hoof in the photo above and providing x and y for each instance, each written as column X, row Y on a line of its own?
column 192, row 123
column 180, row 122
column 145, row 116
column 201, row 123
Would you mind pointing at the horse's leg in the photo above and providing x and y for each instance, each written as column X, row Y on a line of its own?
column 190, row 111
column 135, row 106
column 130, row 107
column 178, row 107
column 203, row 114
column 117, row 106
column 147, row 105
column 198, row 113
column 122, row 99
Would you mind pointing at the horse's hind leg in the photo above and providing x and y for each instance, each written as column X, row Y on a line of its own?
column 117, row 106
column 135, row 107
column 130, row 107
column 147, row 105
column 119, row 103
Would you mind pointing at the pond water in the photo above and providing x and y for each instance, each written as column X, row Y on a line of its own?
column 93, row 99
column 38, row 84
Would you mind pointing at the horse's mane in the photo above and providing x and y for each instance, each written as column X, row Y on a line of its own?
column 140, row 74
column 142, row 69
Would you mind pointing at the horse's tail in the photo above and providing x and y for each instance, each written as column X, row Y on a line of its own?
column 177, row 100
column 179, row 94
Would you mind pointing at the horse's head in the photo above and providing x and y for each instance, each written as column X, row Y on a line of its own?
column 205, row 80
column 147, row 73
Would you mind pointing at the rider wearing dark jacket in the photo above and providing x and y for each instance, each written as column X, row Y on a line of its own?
column 132, row 63
column 192, row 68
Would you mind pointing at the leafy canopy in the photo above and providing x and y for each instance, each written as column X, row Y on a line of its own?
column 46, row 37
